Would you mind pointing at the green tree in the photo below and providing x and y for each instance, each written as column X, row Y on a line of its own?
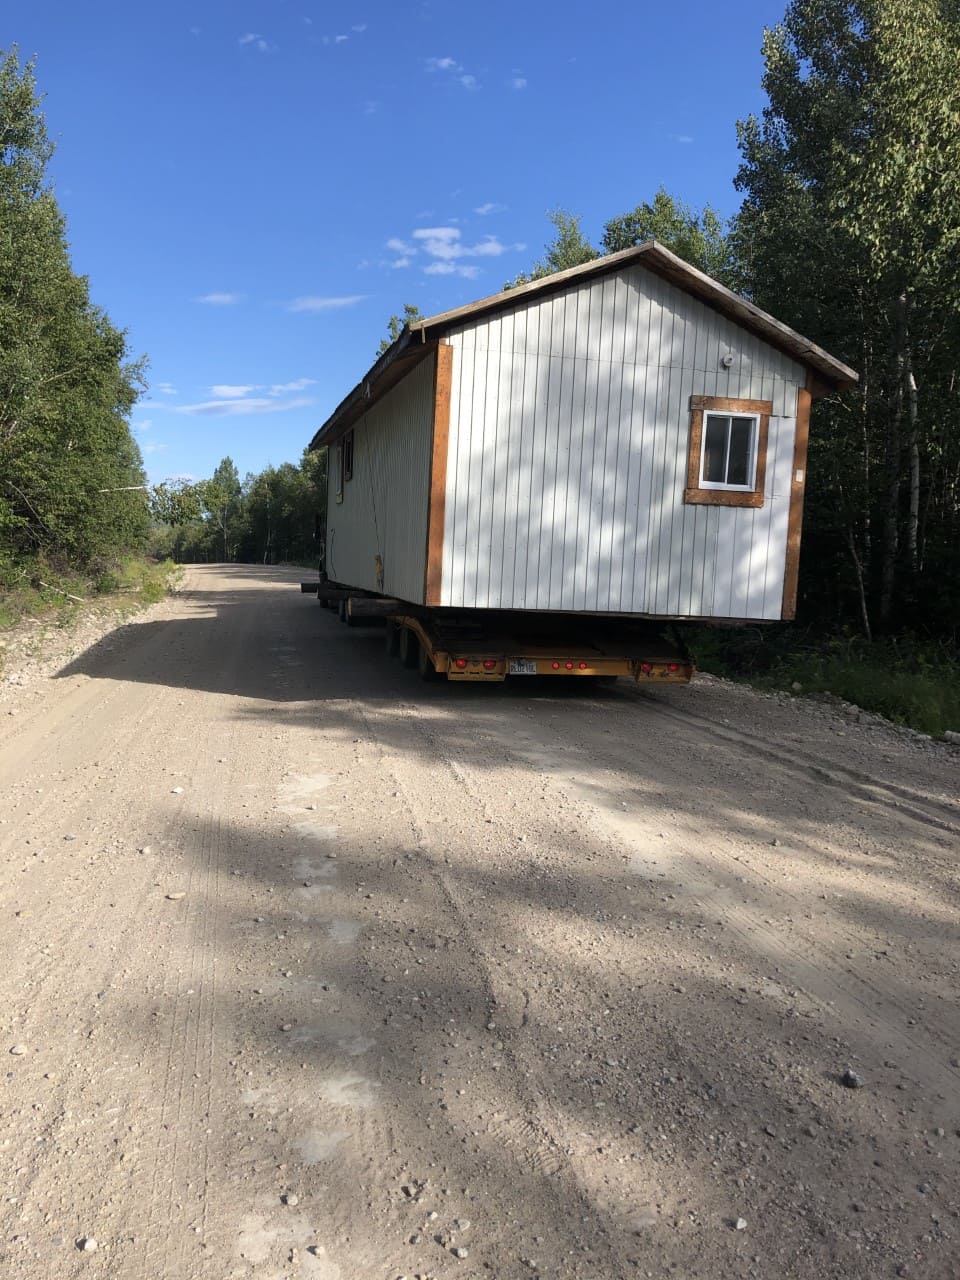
column 568, row 248
column 397, row 324
column 220, row 499
column 67, row 458
column 848, row 231
column 699, row 237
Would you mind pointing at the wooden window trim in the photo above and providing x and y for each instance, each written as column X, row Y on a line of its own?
column 693, row 493
column 348, row 456
column 338, row 471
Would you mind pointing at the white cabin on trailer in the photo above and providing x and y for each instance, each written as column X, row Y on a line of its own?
column 624, row 438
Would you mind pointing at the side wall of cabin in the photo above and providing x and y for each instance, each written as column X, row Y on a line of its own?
column 567, row 460
column 383, row 510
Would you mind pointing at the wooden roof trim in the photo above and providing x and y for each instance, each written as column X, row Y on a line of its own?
column 394, row 364
column 664, row 263
column 419, row 339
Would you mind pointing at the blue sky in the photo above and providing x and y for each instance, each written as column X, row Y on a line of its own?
column 253, row 188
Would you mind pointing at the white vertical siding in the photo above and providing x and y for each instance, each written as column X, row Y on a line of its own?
column 569, row 431
column 385, row 506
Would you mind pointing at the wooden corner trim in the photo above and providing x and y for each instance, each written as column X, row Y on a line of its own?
column 695, row 496
column 442, row 384
column 798, row 479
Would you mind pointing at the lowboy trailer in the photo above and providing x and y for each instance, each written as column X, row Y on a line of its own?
column 488, row 645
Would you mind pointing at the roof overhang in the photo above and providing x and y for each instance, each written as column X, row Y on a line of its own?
column 419, row 340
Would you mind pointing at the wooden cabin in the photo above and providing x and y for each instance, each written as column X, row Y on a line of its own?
column 624, row 438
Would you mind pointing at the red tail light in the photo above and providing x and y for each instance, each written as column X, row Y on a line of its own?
column 646, row 668
column 673, row 666
column 461, row 663
column 568, row 665
column 555, row 665
column 489, row 664
column 583, row 666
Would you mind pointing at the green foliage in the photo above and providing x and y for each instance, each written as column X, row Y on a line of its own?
column 700, row 238
column 909, row 681
column 568, row 248
column 850, row 232
column 66, row 385
column 270, row 519
column 397, row 324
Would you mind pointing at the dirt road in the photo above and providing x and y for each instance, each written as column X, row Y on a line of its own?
column 308, row 969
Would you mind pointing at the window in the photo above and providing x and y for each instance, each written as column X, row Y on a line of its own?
column 348, row 456
column 728, row 451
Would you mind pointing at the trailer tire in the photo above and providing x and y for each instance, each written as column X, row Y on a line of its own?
column 409, row 647
column 343, row 614
column 425, row 666
column 392, row 638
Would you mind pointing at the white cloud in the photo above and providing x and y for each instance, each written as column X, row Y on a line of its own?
column 371, row 107
column 518, row 82
column 490, row 207
column 236, row 408
column 298, row 384
column 454, row 70
column 256, row 41
column 467, row 270
column 316, row 303
column 220, row 299
column 165, row 388
column 360, row 28
column 444, row 252
column 226, row 391
column 154, row 447
column 444, row 243
column 684, row 138
column 340, row 39
column 145, row 425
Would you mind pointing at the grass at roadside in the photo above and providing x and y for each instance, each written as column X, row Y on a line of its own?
column 38, row 591
column 911, row 682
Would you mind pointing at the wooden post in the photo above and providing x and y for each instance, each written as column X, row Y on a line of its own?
column 442, row 383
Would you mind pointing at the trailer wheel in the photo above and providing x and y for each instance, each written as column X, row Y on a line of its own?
column 425, row 666
column 343, row 614
column 392, row 638
column 409, row 647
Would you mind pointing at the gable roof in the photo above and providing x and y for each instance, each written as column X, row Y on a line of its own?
column 419, row 339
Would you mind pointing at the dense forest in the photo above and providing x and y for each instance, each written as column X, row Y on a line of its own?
column 849, row 231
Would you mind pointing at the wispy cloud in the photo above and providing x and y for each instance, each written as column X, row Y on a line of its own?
column 491, row 206
column 454, row 71
column 371, row 107
column 441, row 251
column 165, row 388
column 256, row 41
column 224, row 391
column 154, row 446
column 298, row 384
column 518, row 82
column 220, row 299
column 238, row 408
column 684, row 138
column 145, row 425
column 314, row 302
column 360, row 28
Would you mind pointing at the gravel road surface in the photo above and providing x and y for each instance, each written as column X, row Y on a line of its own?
column 311, row 970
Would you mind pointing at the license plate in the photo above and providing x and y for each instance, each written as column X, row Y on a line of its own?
column 522, row 667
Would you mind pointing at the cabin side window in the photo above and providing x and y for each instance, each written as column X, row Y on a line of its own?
column 348, row 456
column 338, row 470
column 727, row 459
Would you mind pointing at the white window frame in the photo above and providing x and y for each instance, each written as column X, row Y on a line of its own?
column 723, row 485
